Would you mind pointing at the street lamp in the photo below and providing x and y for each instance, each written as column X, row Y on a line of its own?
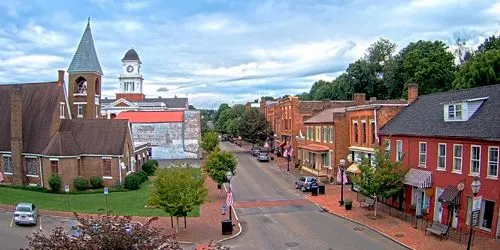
column 475, row 186
column 229, row 175
column 288, row 157
column 342, row 165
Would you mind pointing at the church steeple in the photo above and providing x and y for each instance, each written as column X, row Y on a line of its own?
column 85, row 58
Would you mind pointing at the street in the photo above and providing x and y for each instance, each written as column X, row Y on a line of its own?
column 274, row 215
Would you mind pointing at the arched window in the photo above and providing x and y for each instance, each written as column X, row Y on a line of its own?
column 81, row 85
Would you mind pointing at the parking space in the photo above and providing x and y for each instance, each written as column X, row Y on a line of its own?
column 13, row 236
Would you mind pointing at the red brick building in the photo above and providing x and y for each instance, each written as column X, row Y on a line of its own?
column 447, row 139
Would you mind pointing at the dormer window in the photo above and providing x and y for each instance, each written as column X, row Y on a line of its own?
column 61, row 110
column 455, row 112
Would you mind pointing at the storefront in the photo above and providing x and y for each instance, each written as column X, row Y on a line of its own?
column 316, row 159
column 418, row 185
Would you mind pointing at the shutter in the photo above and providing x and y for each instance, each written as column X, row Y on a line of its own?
column 445, row 109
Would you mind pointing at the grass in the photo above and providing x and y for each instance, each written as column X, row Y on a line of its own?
column 120, row 203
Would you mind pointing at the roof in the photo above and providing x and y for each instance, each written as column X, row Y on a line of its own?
column 131, row 55
column 85, row 58
column 314, row 147
column 62, row 144
column 425, row 117
column 173, row 103
column 97, row 136
column 325, row 116
column 40, row 102
column 450, row 195
column 418, row 178
column 151, row 116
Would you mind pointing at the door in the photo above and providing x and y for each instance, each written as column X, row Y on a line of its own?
column 438, row 208
column 454, row 222
column 420, row 201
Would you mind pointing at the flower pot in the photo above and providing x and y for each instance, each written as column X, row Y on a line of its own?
column 348, row 206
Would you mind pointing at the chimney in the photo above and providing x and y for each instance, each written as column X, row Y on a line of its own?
column 60, row 78
column 359, row 98
column 412, row 92
column 16, row 134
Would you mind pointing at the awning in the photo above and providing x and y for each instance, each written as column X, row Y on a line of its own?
column 418, row 178
column 450, row 196
column 315, row 147
column 354, row 168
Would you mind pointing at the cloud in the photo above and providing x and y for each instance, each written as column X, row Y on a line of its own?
column 162, row 89
column 135, row 5
column 33, row 60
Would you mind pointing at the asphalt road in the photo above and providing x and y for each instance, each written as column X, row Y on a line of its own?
column 13, row 237
column 288, row 226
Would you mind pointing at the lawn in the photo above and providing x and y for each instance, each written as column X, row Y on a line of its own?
column 120, row 203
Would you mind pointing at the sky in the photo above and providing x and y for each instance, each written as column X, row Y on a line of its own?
column 225, row 51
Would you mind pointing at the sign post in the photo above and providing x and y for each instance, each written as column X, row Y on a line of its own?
column 66, row 189
column 106, row 191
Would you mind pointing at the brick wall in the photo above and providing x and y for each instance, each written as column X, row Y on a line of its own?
column 133, row 97
column 89, row 99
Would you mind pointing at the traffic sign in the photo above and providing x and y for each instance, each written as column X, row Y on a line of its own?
column 106, row 191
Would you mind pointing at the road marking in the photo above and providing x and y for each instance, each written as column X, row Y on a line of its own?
column 40, row 217
column 12, row 221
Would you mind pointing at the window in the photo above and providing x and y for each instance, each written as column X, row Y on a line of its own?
column 475, row 159
column 372, row 128
column 324, row 133
column 31, row 166
column 457, row 158
column 82, row 86
column 422, row 154
column 441, row 156
column 318, row 133
column 326, row 159
column 331, row 134
column 7, row 164
column 364, row 132
column 493, row 162
column 54, row 165
column 486, row 214
column 387, row 148
column 355, row 132
column 61, row 110
column 455, row 112
column 106, row 167
column 399, row 150
column 307, row 132
column 96, row 111
column 79, row 110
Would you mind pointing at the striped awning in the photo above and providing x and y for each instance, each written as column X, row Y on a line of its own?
column 450, row 196
column 418, row 178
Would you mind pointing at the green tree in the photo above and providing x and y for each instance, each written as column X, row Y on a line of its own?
column 429, row 64
column 384, row 179
column 221, row 108
column 218, row 164
column 483, row 69
column 177, row 190
column 267, row 98
column 210, row 141
column 490, row 43
column 253, row 126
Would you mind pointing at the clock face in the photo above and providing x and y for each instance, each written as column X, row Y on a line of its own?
column 130, row 68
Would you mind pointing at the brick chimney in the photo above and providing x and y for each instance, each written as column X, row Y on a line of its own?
column 60, row 78
column 16, row 134
column 412, row 92
column 359, row 98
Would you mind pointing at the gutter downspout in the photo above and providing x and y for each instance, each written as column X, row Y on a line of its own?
column 376, row 125
column 120, row 168
column 41, row 171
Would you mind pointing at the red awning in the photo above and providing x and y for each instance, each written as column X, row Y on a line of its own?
column 315, row 147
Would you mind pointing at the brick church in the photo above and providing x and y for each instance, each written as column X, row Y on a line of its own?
column 47, row 129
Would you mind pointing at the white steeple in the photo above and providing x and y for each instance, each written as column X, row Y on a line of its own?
column 131, row 79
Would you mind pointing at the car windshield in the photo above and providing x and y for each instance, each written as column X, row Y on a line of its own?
column 263, row 154
column 23, row 209
column 256, row 148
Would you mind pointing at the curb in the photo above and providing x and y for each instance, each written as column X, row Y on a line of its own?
column 359, row 223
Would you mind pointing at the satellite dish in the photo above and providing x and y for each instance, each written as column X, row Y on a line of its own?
column 460, row 186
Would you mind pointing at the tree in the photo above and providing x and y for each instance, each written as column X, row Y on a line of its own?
column 253, row 126
column 177, row 190
column 191, row 107
column 462, row 51
column 490, row 43
column 267, row 98
column 222, row 107
column 210, row 141
column 384, row 179
column 104, row 232
column 483, row 69
column 218, row 164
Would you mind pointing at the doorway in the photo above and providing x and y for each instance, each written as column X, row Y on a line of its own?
column 438, row 208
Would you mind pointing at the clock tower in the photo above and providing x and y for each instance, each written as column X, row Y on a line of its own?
column 130, row 78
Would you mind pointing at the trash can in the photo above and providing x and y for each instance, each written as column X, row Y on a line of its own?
column 227, row 227
column 314, row 191
column 321, row 189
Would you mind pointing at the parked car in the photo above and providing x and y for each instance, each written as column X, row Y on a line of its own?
column 26, row 213
column 255, row 151
column 263, row 157
column 304, row 182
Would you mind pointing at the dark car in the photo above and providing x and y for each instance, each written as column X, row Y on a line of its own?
column 255, row 151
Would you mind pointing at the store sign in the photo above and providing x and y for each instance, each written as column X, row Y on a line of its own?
column 476, row 203
column 475, row 218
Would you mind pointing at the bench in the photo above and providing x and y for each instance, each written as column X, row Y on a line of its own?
column 368, row 202
column 438, row 229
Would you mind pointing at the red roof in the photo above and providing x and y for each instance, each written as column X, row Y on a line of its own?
column 314, row 147
column 151, row 116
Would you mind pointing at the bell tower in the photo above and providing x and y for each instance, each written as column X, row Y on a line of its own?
column 84, row 84
column 131, row 79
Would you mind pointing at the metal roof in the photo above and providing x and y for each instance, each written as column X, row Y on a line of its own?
column 85, row 58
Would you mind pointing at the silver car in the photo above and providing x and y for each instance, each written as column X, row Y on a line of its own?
column 304, row 182
column 26, row 213
column 263, row 157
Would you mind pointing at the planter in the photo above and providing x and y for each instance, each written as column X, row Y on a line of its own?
column 348, row 206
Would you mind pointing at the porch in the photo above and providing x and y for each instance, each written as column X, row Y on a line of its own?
column 315, row 159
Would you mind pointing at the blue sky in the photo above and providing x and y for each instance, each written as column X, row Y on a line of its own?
column 218, row 51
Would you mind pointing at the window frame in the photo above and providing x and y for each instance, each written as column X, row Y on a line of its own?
column 364, row 132
column 452, row 116
column 7, row 158
column 420, row 154
column 355, row 131
column 440, row 156
column 56, row 161
column 331, row 131
column 474, row 160
column 489, row 175
column 454, row 169
column 399, row 150
column 318, row 133
column 104, row 166
column 31, row 166
column 372, row 128
column 61, row 110
column 79, row 110
column 387, row 148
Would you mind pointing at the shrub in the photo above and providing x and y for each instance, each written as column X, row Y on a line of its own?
column 96, row 182
column 149, row 167
column 81, row 184
column 143, row 175
column 55, row 182
column 132, row 182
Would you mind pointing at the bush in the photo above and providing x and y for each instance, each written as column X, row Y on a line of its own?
column 149, row 167
column 132, row 182
column 81, row 184
column 96, row 182
column 55, row 182
column 143, row 175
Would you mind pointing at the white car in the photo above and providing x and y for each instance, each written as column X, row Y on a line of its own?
column 26, row 213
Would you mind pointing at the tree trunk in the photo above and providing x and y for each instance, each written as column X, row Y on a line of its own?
column 185, row 224
column 177, row 225
column 172, row 221
column 375, row 206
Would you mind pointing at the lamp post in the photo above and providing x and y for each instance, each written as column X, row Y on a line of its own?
column 475, row 186
column 288, row 157
column 229, row 200
column 342, row 165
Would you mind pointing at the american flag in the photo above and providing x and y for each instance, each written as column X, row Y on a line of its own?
column 229, row 198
